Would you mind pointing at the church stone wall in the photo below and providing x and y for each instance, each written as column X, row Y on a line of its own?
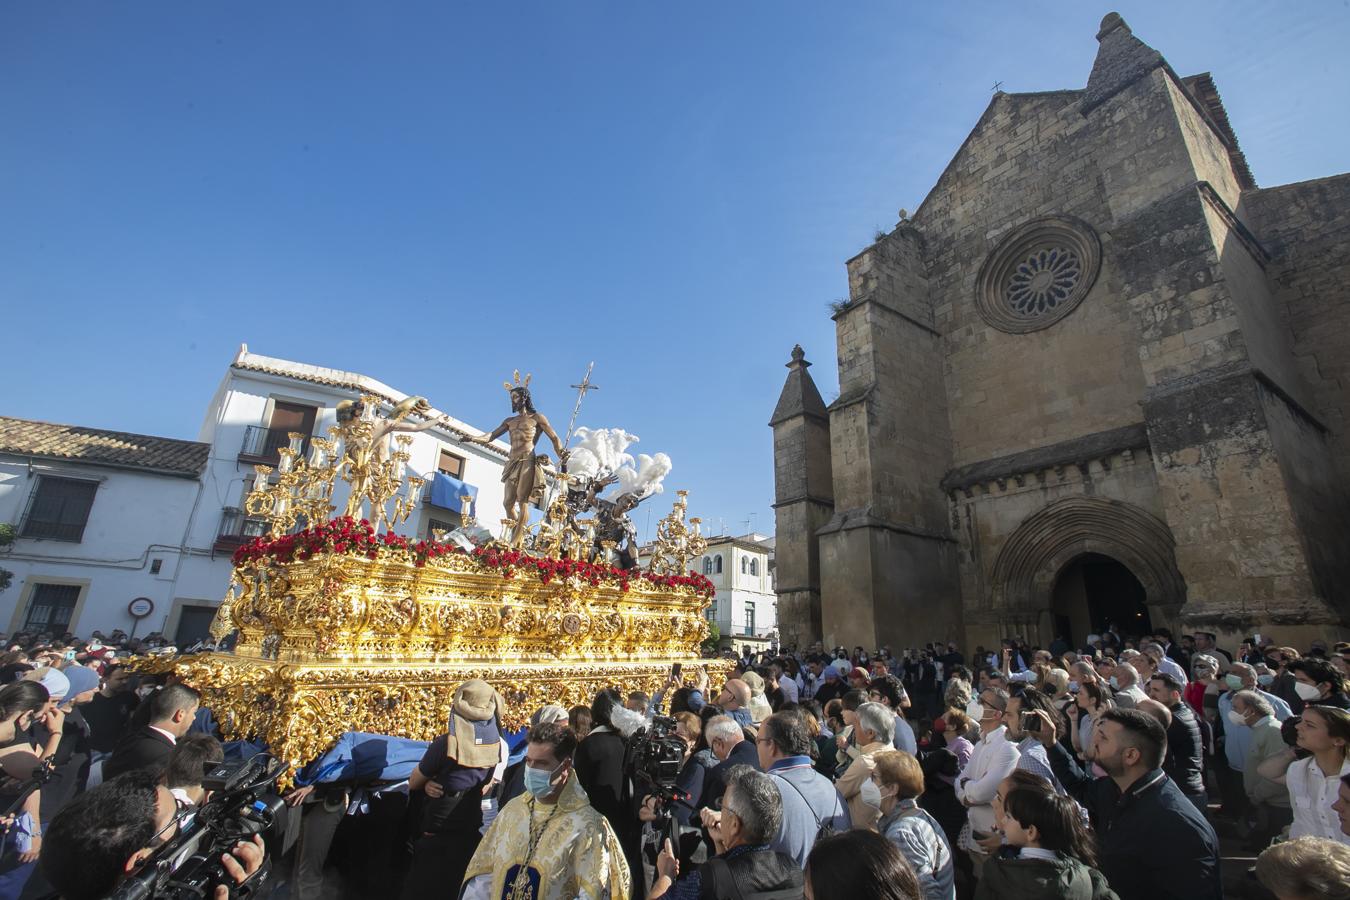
column 1203, row 380
column 1241, row 273
column 996, row 508
column 887, row 551
column 1317, row 497
column 1306, row 230
column 1036, row 155
column 1209, row 155
column 1238, row 540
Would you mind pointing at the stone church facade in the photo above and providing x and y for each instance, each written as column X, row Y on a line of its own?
column 1099, row 376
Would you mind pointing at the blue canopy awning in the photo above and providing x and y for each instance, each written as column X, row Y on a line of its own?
column 446, row 492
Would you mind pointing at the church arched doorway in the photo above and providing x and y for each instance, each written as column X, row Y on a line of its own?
column 1094, row 591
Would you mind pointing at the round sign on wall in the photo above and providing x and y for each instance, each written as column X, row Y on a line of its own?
column 141, row 607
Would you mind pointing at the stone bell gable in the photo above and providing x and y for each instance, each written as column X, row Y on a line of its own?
column 1095, row 375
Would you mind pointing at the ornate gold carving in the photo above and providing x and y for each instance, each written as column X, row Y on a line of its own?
column 345, row 626
column 677, row 542
column 300, row 710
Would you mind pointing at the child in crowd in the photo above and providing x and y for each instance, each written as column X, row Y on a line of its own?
column 1056, row 853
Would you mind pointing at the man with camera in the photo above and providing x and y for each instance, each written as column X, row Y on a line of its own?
column 104, row 835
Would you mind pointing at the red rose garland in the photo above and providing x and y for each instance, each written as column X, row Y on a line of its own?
column 347, row 536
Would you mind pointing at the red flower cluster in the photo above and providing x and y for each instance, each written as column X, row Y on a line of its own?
column 342, row 535
column 347, row 536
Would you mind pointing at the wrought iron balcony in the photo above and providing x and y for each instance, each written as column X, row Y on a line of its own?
column 261, row 445
column 238, row 527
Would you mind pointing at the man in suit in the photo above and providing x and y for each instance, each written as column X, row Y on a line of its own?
column 172, row 709
column 727, row 741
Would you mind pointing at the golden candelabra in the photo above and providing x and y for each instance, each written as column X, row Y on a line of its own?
column 303, row 489
column 345, row 625
column 677, row 542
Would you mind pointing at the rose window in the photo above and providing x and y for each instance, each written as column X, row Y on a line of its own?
column 1043, row 281
column 1038, row 274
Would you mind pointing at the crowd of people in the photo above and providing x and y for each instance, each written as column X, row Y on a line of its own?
column 1105, row 771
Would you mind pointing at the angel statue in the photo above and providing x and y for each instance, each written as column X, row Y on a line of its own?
column 615, row 533
column 365, row 442
column 524, row 475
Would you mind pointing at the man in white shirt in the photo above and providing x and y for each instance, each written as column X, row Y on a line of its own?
column 785, row 684
column 993, row 760
column 1163, row 663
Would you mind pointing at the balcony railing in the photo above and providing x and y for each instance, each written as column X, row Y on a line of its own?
column 238, row 527
column 261, row 445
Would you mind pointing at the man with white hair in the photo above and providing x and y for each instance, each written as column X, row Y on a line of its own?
column 1125, row 682
column 745, row 864
column 874, row 733
column 727, row 741
column 1237, row 735
column 1270, row 798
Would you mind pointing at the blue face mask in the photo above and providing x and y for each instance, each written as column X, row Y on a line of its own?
column 1265, row 680
column 1073, row 687
column 1115, row 683
column 539, row 782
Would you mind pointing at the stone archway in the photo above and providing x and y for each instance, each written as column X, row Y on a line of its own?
column 1051, row 539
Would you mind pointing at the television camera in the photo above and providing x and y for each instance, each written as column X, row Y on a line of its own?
column 243, row 803
column 653, row 760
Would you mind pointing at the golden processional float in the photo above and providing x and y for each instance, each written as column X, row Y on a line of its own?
column 346, row 626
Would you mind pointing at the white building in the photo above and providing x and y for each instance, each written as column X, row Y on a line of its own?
column 100, row 518
column 191, row 521
column 745, row 607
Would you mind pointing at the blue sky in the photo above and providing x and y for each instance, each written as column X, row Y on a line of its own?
column 435, row 193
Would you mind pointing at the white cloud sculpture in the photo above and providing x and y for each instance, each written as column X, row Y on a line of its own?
column 601, row 452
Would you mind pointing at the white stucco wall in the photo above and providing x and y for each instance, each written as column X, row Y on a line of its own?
column 246, row 399
column 735, row 589
column 136, row 518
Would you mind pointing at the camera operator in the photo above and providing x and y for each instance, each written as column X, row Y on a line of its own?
column 187, row 761
column 694, row 770
column 105, row 834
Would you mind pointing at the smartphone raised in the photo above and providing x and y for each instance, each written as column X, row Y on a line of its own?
column 676, row 669
column 1031, row 722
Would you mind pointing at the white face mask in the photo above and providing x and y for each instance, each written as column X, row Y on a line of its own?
column 1236, row 717
column 1115, row 683
column 1307, row 691
column 975, row 709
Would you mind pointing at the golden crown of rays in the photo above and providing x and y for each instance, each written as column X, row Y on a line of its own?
column 518, row 385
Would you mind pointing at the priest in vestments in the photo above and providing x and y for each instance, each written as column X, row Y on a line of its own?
column 548, row 843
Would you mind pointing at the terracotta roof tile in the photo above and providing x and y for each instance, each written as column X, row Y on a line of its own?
column 98, row 446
